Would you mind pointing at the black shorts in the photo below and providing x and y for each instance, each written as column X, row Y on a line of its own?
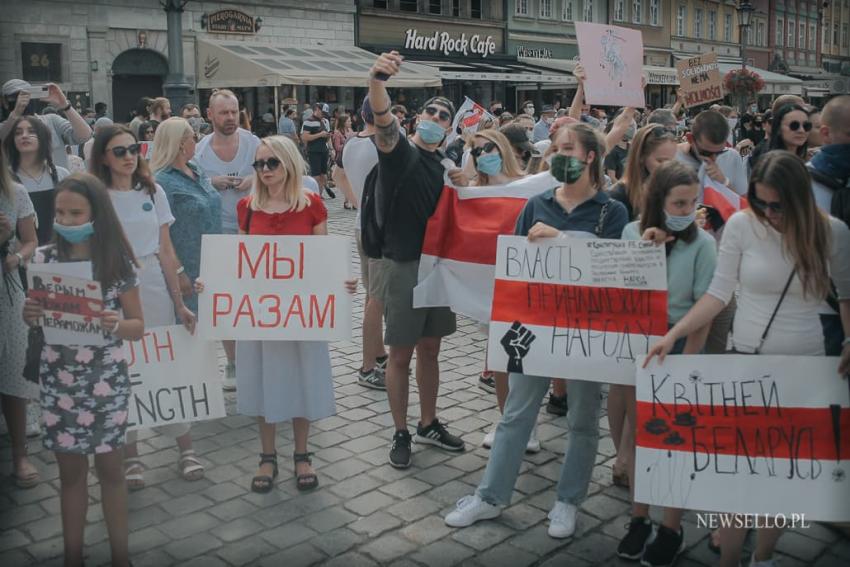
column 318, row 162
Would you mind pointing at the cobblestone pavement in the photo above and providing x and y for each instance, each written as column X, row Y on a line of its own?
column 365, row 512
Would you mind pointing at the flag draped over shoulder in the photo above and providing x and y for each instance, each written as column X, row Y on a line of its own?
column 458, row 261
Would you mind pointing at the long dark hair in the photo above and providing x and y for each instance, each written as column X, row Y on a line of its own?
column 806, row 237
column 776, row 142
column 45, row 151
column 141, row 177
column 668, row 175
column 111, row 254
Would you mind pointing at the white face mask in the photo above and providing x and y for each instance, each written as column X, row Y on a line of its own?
column 529, row 110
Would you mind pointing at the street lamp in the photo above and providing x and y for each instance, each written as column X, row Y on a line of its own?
column 745, row 13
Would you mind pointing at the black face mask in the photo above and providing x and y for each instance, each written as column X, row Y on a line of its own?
column 498, row 111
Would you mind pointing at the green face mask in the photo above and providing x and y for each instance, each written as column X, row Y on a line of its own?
column 567, row 169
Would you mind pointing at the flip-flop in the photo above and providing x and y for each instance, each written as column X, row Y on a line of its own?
column 134, row 474
column 191, row 468
column 307, row 481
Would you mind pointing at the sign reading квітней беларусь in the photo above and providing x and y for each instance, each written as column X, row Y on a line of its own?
column 745, row 434
column 275, row 288
column 174, row 378
column 578, row 308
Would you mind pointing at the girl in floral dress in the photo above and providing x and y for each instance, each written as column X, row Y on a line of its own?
column 85, row 390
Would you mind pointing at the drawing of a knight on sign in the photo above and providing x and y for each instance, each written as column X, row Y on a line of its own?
column 613, row 60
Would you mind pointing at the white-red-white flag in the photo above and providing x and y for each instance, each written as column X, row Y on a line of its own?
column 458, row 261
column 722, row 199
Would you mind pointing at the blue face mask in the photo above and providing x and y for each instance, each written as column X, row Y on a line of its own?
column 430, row 132
column 489, row 164
column 74, row 234
column 679, row 223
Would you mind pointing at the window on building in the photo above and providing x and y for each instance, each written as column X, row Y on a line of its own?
column 681, row 18
column 698, row 23
column 380, row 4
column 587, row 15
column 792, row 33
column 727, row 28
column 653, row 12
column 408, row 5
column 568, row 14
column 813, row 37
column 619, row 10
column 825, row 35
column 845, row 36
column 475, row 9
column 712, row 25
column 835, row 35
column 521, row 7
column 801, row 42
column 637, row 11
column 545, row 8
column 780, row 32
column 41, row 62
column 435, row 7
column 761, row 35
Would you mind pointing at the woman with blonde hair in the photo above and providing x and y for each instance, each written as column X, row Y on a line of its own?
column 283, row 380
column 779, row 256
column 195, row 203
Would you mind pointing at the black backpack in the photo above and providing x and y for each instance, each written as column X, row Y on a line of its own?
column 377, row 205
column 840, row 206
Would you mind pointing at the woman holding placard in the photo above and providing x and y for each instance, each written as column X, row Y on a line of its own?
column 17, row 215
column 283, row 380
column 85, row 390
column 669, row 204
column 142, row 207
column 781, row 253
column 579, row 206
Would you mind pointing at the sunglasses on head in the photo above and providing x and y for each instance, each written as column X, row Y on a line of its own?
column 794, row 125
column 485, row 149
column 443, row 114
column 270, row 164
column 774, row 206
column 121, row 151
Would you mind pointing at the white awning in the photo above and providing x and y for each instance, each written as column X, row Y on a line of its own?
column 520, row 71
column 244, row 64
column 774, row 83
column 654, row 75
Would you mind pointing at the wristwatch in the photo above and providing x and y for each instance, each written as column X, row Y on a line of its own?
column 21, row 260
column 67, row 107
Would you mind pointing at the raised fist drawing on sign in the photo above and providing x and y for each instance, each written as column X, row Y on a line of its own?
column 516, row 343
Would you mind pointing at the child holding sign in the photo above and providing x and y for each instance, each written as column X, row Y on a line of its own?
column 669, row 204
column 85, row 391
column 283, row 380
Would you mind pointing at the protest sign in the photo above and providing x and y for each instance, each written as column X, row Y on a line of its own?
column 612, row 57
column 72, row 302
column 579, row 308
column 275, row 288
column 467, row 119
column 174, row 378
column 459, row 252
column 699, row 78
column 745, row 434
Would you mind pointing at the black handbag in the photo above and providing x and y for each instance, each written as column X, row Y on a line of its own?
column 35, row 344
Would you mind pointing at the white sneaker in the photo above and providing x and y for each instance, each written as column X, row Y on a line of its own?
column 469, row 510
column 488, row 439
column 533, row 445
column 229, row 383
column 33, row 418
column 562, row 520
column 766, row 563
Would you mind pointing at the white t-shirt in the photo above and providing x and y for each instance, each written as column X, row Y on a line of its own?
column 43, row 183
column 240, row 166
column 310, row 183
column 142, row 215
column 359, row 157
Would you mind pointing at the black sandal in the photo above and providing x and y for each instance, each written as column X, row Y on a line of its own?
column 307, row 481
column 264, row 483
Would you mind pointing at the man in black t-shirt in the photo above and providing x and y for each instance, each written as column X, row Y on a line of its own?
column 315, row 132
column 411, row 174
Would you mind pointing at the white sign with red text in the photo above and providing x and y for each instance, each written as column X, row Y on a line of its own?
column 275, row 288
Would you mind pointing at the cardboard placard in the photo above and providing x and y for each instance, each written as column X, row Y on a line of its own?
column 745, row 434
column 275, row 288
column 700, row 79
column 577, row 308
column 174, row 379
column 612, row 57
column 72, row 302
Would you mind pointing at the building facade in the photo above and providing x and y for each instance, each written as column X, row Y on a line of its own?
column 702, row 26
column 835, row 42
column 115, row 51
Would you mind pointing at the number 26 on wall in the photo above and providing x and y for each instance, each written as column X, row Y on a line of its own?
column 37, row 60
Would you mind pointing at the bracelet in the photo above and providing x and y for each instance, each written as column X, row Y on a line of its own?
column 382, row 112
column 114, row 330
column 20, row 259
column 180, row 270
column 66, row 107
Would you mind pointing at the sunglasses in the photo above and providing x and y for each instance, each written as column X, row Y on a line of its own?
column 270, row 164
column 774, row 206
column 485, row 149
column 794, row 125
column 709, row 153
column 121, row 151
column 434, row 111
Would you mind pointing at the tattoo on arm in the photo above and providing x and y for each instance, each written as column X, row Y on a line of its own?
column 386, row 136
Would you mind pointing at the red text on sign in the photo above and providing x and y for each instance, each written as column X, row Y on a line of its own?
column 272, row 263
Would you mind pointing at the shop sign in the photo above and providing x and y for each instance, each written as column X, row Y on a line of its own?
column 449, row 45
column 658, row 77
column 533, row 52
column 230, row 21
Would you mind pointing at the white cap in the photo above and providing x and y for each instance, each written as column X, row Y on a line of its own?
column 15, row 86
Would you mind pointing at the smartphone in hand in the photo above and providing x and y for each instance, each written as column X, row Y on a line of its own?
column 38, row 91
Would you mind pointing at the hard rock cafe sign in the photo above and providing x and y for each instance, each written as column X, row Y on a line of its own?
column 448, row 44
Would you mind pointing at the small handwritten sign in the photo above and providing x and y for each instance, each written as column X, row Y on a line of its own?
column 72, row 303
column 700, row 79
